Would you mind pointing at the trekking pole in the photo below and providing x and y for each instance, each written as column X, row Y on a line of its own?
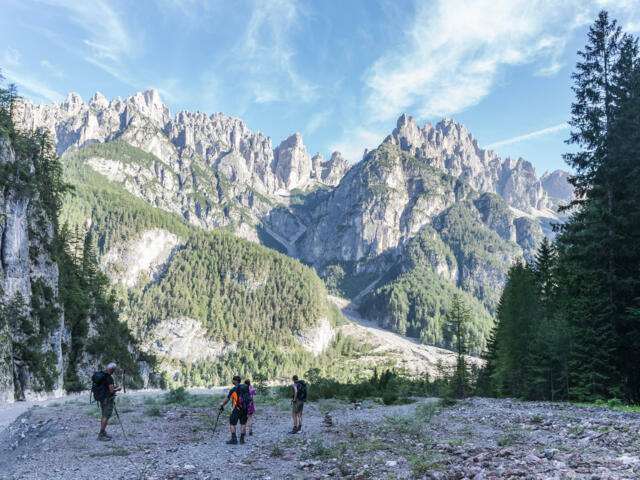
column 220, row 410
column 141, row 473
column 120, row 422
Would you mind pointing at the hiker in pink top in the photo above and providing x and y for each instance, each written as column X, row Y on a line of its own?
column 252, row 407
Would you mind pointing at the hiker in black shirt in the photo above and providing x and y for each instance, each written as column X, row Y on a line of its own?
column 107, row 399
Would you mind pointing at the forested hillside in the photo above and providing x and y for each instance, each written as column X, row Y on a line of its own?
column 218, row 304
column 569, row 323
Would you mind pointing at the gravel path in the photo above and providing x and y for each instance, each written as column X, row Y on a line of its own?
column 10, row 411
column 478, row 439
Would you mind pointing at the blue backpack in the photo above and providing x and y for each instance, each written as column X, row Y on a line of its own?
column 244, row 398
column 99, row 389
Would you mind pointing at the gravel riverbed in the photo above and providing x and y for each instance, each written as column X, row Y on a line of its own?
column 475, row 439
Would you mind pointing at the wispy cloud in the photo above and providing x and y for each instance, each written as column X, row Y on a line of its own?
column 451, row 55
column 266, row 51
column 106, row 42
column 106, row 35
column 33, row 85
column 52, row 69
column 529, row 136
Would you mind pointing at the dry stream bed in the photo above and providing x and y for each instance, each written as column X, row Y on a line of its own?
column 474, row 439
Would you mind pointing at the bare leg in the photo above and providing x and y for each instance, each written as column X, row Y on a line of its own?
column 295, row 418
column 103, row 424
column 233, row 429
column 243, row 429
column 251, row 423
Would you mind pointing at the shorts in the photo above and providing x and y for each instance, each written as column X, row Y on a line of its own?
column 106, row 405
column 297, row 406
column 238, row 415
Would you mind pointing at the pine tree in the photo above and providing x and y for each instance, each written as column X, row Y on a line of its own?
column 456, row 325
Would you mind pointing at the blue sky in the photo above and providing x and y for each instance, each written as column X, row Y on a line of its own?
column 339, row 72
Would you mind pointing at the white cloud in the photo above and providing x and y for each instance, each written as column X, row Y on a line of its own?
column 40, row 89
column 451, row 55
column 354, row 141
column 265, row 54
column 528, row 136
column 107, row 37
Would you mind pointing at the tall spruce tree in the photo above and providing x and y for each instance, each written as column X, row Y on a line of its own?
column 516, row 316
column 456, row 325
column 598, row 246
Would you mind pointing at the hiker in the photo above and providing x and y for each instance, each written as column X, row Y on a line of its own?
column 252, row 407
column 239, row 394
column 104, row 391
column 297, row 403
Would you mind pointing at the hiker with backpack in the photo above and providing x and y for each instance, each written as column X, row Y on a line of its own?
column 104, row 391
column 252, row 407
column 239, row 395
column 297, row 403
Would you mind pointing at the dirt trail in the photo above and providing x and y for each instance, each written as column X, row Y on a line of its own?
column 167, row 442
column 10, row 411
column 407, row 352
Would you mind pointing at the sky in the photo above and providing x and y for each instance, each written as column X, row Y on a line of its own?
column 340, row 72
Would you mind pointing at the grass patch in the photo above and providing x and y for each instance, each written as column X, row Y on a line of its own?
column 611, row 404
column 422, row 463
column 405, row 425
column 276, row 451
column 153, row 411
column 371, row 445
column 179, row 397
column 318, row 451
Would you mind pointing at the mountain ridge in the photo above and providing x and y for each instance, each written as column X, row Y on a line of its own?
column 352, row 223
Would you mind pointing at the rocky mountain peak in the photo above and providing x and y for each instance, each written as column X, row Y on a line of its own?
column 73, row 103
column 449, row 146
column 557, row 185
column 98, row 101
column 151, row 105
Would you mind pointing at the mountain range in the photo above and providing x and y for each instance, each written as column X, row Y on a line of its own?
column 427, row 214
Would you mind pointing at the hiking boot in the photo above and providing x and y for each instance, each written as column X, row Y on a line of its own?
column 250, row 432
column 294, row 430
column 103, row 437
column 242, row 438
column 233, row 441
column 299, row 428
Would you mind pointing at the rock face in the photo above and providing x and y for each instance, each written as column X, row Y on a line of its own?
column 451, row 148
column 317, row 339
column 145, row 256
column 30, row 349
column 185, row 339
column 557, row 185
column 212, row 170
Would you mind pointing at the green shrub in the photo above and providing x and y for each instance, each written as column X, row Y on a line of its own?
column 389, row 397
column 177, row 396
column 614, row 403
column 153, row 411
